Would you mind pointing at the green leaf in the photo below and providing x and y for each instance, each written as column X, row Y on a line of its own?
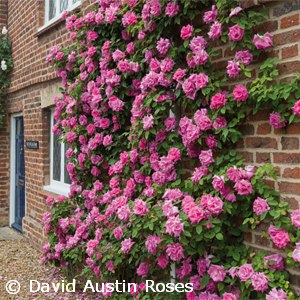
column 219, row 236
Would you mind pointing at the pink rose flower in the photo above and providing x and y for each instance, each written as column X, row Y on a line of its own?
column 279, row 236
column 263, row 41
column 140, row 207
column 130, row 48
column 115, row 103
column 274, row 262
column 275, row 294
column 175, row 251
column 148, row 122
column 245, row 272
column 296, row 108
column 233, row 69
column 152, row 243
column 143, row 269
column 295, row 217
column 240, row 93
column 197, row 44
column 218, row 182
column 243, row 187
column 195, row 213
column 170, row 123
column 211, row 141
column 129, row 19
column 118, row 232
column 276, row 122
column 218, row 101
column 189, row 88
column 215, row 205
column 296, row 253
column 211, row 15
column 206, row 157
column 163, row 46
column 127, row 245
column 179, row 74
column 236, row 33
column 92, row 35
column 186, row 32
column 229, row 296
column 215, row 31
column 244, row 57
column 92, row 244
column 202, row 120
column 259, row 282
column 174, row 226
column 172, row 9
column 235, row 11
column 163, row 261
column 217, row 273
column 260, row 206
column 220, row 122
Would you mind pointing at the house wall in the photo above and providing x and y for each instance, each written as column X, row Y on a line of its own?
column 32, row 77
column 32, row 80
column 4, row 179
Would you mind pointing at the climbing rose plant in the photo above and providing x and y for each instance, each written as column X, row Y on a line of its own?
column 6, row 65
column 151, row 118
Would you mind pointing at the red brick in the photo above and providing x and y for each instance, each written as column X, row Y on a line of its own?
column 247, row 156
column 246, row 3
column 248, row 237
column 247, row 129
column 293, row 128
column 259, row 142
column 290, row 143
column 292, row 36
column 263, row 129
column 289, row 188
column 291, row 173
column 286, row 158
column 294, row 204
column 289, row 21
column 269, row 26
column 290, row 51
column 262, row 115
column 270, row 183
column 262, row 241
column 262, row 157
column 290, row 67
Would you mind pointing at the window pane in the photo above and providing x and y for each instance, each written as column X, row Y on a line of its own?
column 52, row 9
column 67, row 179
column 63, row 5
column 56, row 158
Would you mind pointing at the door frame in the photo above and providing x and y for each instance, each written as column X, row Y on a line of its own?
column 12, row 198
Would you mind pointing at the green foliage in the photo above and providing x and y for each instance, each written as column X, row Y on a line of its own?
column 6, row 65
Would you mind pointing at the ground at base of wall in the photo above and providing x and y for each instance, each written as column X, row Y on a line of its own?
column 19, row 261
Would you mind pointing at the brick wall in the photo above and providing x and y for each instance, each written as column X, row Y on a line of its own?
column 3, row 13
column 31, row 74
column 280, row 147
column 4, row 145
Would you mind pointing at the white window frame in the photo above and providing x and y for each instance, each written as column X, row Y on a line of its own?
column 48, row 22
column 57, row 187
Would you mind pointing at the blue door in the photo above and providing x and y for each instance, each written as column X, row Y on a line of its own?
column 19, row 174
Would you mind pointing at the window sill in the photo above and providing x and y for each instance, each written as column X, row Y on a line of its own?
column 48, row 27
column 56, row 190
column 55, row 22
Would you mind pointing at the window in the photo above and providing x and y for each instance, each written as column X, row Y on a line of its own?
column 54, row 9
column 59, row 176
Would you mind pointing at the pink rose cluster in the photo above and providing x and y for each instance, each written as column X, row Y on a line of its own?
column 127, row 148
column 241, row 179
